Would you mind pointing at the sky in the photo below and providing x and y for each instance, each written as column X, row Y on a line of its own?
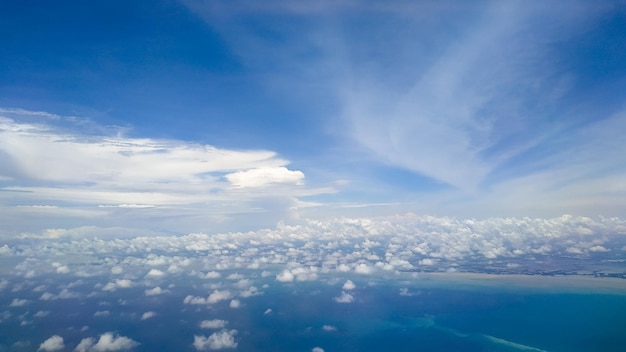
column 203, row 116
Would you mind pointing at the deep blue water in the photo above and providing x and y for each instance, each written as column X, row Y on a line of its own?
column 379, row 319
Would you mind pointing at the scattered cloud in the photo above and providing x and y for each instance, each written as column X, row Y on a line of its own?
column 263, row 176
column 220, row 340
column 18, row 302
column 213, row 324
column 154, row 291
column 344, row 298
column 214, row 297
column 107, row 342
column 117, row 284
column 148, row 315
column 349, row 285
column 54, row 343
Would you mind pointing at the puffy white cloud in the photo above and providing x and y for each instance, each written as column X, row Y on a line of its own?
column 212, row 275
column 348, row 285
column 54, row 343
column 429, row 261
column 85, row 345
column 63, row 269
column 155, row 273
column 213, row 324
column 363, row 268
column 64, row 294
column 154, row 291
column 329, row 328
column 118, row 283
column 216, row 341
column 344, row 298
column 235, row 303
column 5, row 250
column 285, row 276
column 317, row 349
column 214, row 297
column 148, row 315
column 41, row 313
column 18, row 302
column 263, row 176
column 102, row 313
column 598, row 249
column 116, row 270
column 107, row 342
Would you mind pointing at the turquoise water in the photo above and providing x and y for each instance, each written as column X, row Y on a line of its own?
column 448, row 318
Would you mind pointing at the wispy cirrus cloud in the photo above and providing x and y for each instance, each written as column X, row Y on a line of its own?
column 482, row 98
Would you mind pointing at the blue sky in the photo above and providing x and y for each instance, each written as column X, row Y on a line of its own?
column 180, row 116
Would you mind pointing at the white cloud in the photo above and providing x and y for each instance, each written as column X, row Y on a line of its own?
column 214, row 297
column 349, row 285
column 285, row 276
column 329, row 328
column 148, row 315
column 85, row 345
column 598, row 249
column 427, row 261
column 155, row 273
column 18, row 302
column 363, row 268
column 317, row 349
column 216, row 341
column 235, row 303
column 263, row 176
column 63, row 269
column 5, row 250
column 154, row 291
column 112, row 179
column 213, row 324
column 117, row 284
column 212, row 275
column 54, row 343
column 107, row 342
column 116, row 270
column 344, row 298
column 42, row 313
column 102, row 313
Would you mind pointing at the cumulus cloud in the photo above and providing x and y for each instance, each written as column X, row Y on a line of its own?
column 213, row 324
column 148, row 315
column 154, row 291
column 349, row 285
column 54, row 343
column 329, row 328
column 235, row 303
column 285, row 276
column 214, row 297
column 107, row 342
column 155, row 273
column 212, row 275
column 117, row 284
column 102, row 313
column 344, row 298
column 263, row 176
column 216, row 341
column 111, row 178
column 18, row 302
column 317, row 349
